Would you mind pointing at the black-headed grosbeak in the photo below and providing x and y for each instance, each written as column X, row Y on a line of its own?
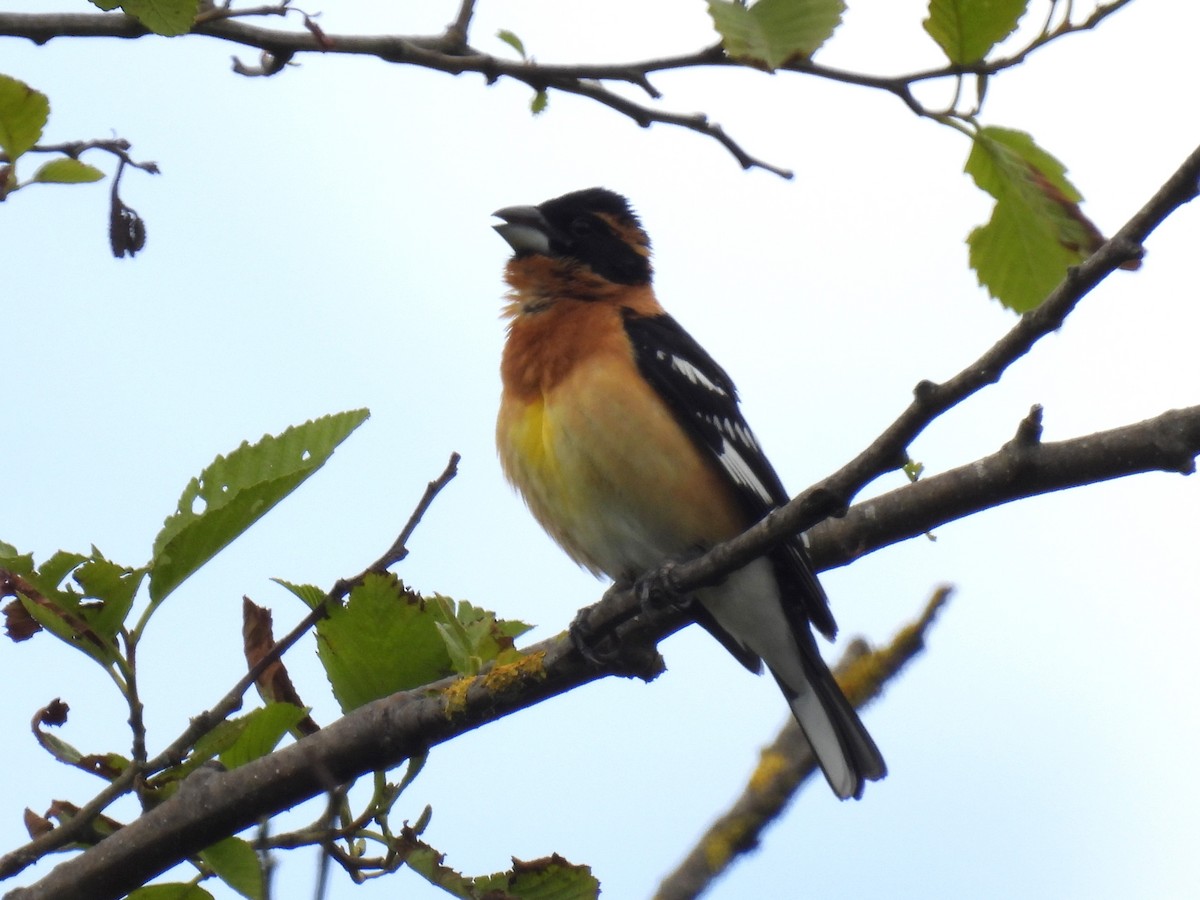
column 626, row 441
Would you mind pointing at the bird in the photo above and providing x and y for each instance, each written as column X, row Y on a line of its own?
column 626, row 441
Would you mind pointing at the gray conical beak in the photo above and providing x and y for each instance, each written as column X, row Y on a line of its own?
column 525, row 229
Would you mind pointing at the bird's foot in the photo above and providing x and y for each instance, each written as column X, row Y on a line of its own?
column 598, row 648
column 659, row 590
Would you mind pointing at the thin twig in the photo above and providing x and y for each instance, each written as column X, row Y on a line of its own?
column 399, row 548
column 118, row 147
column 450, row 52
column 458, row 30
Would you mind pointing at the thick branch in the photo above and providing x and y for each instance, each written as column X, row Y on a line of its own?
column 1168, row 443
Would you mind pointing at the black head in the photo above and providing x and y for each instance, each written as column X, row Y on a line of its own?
column 594, row 227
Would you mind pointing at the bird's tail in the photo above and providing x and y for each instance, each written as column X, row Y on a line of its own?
column 747, row 614
column 839, row 740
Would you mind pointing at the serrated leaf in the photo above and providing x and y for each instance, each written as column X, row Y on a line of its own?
column 235, row 491
column 538, row 104
column 1036, row 231
column 382, row 640
column 310, row 594
column 1017, row 258
column 473, row 635
column 114, row 586
column 552, row 878
column 1001, row 156
column 513, row 41
column 67, row 171
column 23, row 115
column 59, row 565
column 237, row 864
column 175, row 890
column 165, row 17
column 774, row 32
column 261, row 732
column 967, row 30
column 60, row 610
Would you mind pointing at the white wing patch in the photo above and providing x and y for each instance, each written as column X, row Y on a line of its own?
column 691, row 373
column 732, row 430
column 735, row 465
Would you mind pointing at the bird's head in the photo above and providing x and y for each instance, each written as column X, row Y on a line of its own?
column 594, row 228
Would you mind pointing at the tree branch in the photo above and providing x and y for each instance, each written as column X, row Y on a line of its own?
column 1168, row 443
column 380, row 735
column 789, row 761
column 451, row 52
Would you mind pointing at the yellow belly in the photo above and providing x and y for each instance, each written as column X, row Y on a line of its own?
column 610, row 475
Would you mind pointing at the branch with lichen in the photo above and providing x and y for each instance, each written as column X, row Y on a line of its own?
column 788, row 761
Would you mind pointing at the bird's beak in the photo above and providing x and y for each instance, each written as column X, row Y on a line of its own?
column 525, row 229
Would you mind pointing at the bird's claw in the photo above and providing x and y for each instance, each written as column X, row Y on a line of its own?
column 659, row 590
column 598, row 649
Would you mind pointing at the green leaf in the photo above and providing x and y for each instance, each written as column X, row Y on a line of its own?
column 112, row 584
column 52, row 572
column 166, row 17
column 1016, row 257
column 1005, row 153
column 67, row 171
column 383, row 640
column 552, row 878
column 774, row 32
column 967, row 30
column 61, row 610
column 235, row 491
column 473, row 635
column 263, row 729
column 237, row 864
column 1036, row 231
column 312, row 595
column 172, row 891
column 23, row 115
column 214, row 742
column 540, row 101
column 513, row 41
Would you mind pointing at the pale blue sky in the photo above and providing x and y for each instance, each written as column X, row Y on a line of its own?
column 321, row 241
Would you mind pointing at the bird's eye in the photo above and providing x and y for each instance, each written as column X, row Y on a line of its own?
column 581, row 227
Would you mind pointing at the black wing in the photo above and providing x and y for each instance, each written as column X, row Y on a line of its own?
column 704, row 400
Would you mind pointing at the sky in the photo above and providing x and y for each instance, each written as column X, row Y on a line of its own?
column 321, row 241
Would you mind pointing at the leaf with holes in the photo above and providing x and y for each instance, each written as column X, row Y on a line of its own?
column 235, row 491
